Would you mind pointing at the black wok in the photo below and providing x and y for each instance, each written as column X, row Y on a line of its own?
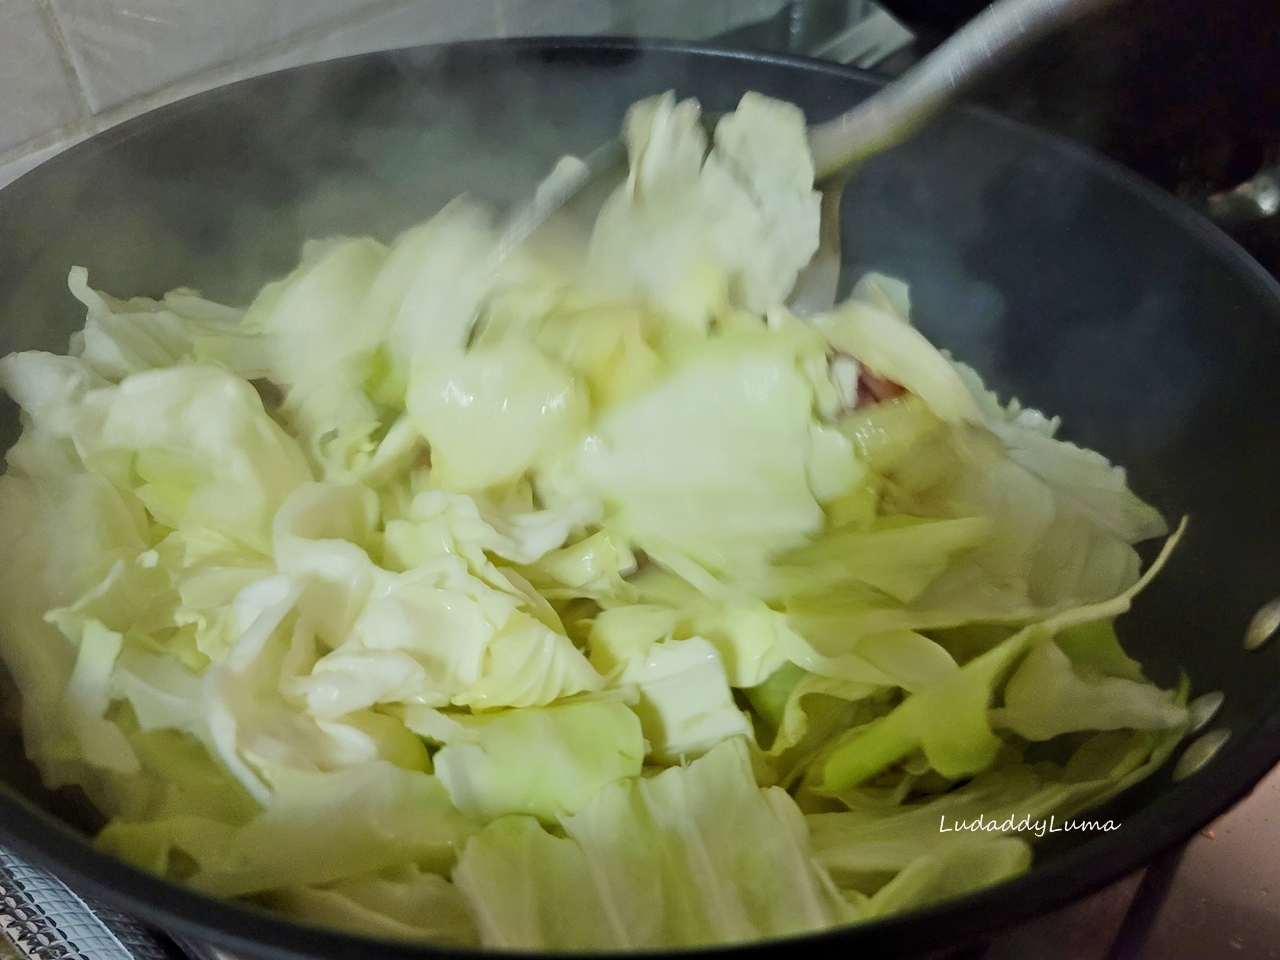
column 1063, row 278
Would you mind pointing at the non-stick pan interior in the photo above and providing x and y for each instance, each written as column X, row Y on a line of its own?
column 1064, row 281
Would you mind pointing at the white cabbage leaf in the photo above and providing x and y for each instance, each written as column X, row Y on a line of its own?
column 700, row 230
column 547, row 762
column 692, row 856
column 574, row 594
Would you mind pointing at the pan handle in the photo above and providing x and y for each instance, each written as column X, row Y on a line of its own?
column 1256, row 199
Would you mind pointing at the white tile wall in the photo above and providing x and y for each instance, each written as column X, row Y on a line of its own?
column 674, row 19
column 528, row 18
column 124, row 49
column 418, row 23
column 69, row 68
column 681, row 20
column 36, row 94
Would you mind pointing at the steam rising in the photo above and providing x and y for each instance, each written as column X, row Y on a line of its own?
column 1016, row 261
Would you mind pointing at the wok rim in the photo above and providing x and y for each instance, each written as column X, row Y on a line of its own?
column 47, row 841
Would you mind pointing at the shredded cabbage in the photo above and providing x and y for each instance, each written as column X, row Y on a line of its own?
column 568, row 601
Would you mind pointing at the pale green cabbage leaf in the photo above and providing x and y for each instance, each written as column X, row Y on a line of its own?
column 575, row 596
column 693, row 856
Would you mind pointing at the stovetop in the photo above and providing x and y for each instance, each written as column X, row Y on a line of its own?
column 1217, row 896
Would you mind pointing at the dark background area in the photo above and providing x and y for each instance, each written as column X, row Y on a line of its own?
column 1185, row 92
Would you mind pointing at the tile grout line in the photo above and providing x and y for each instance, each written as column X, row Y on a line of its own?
column 221, row 73
column 69, row 68
column 50, row 138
